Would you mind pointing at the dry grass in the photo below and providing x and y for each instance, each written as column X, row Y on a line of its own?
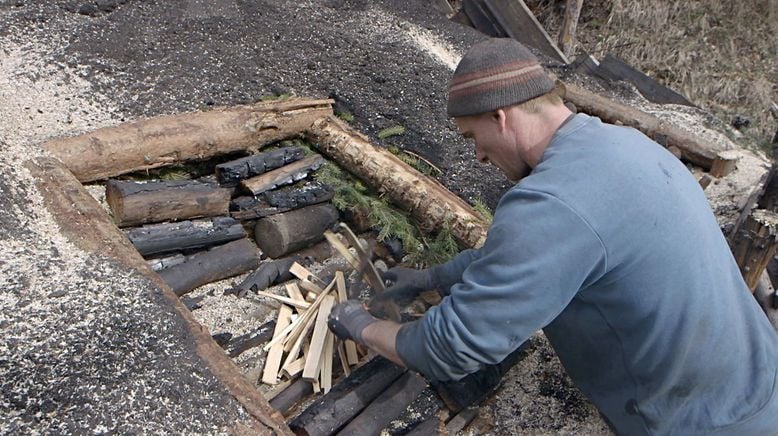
column 722, row 55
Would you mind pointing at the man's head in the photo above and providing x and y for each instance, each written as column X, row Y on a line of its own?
column 501, row 97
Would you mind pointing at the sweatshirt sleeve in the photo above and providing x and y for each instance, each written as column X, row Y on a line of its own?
column 450, row 273
column 538, row 254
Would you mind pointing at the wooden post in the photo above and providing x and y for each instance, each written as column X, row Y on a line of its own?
column 569, row 25
column 209, row 266
column 433, row 206
column 134, row 203
column 167, row 140
column 754, row 245
column 286, row 232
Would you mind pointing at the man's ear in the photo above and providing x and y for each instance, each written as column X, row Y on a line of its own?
column 501, row 118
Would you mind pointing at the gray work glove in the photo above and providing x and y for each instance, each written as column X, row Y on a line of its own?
column 406, row 284
column 349, row 319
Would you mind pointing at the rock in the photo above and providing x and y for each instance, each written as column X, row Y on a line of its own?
column 106, row 5
column 88, row 9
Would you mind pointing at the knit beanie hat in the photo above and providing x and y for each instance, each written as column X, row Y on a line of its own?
column 495, row 73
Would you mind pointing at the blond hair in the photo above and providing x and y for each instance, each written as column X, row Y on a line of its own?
column 534, row 105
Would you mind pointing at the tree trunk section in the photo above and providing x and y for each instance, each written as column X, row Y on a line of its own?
column 431, row 204
column 387, row 407
column 209, row 266
column 754, row 245
column 692, row 148
column 184, row 235
column 230, row 173
column 330, row 412
column 166, row 140
column 284, row 233
column 134, row 203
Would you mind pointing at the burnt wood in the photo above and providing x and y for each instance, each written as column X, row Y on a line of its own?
column 614, row 69
column 218, row 263
column 285, row 175
column 238, row 345
column 134, row 203
column 280, row 200
column 160, row 263
column 331, row 411
column 387, row 406
column 286, row 232
column 232, row 172
column 295, row 392
column 184, row 235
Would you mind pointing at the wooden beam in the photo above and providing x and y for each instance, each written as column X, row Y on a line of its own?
column 312, row 362
column 614, row 69
column 520, row 24
column 169, row 140
column 273, row 359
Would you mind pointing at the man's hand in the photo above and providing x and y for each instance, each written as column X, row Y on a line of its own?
column 407, row 284
column 349, row 319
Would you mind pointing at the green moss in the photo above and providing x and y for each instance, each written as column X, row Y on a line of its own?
column 345, row 116
column 391, row 131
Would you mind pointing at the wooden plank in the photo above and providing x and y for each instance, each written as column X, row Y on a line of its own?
column 520, row 24
column 294, row 368
column 312, row 362
column 344, row 358
column 326, row 364
column 290, row 301
column 302, row 273
column 614, row 69
column 294, row 292
column 482, row 19
column 349, row 346
column 273, row 359
column 285, row 175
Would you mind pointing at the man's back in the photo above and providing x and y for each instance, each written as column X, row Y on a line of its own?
column 666, row 334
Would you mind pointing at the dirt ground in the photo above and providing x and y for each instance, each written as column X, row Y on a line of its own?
column 67, row 67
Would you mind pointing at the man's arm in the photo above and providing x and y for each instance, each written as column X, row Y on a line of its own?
column 381, row 337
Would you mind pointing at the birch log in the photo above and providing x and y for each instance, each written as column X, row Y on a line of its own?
column 166, row 140
column 427, row 200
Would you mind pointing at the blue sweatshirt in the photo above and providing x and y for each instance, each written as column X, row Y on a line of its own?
column 611, row 248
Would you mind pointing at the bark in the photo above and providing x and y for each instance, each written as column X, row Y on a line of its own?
column 331, row 411
column 754, row 245
column 134, row 203
column 184, row 235
column 285, row 175
column 286, row 232
column 232, row 172
column 431, row 204
column 387, row 406
column 692, row 148
column 166, row 140
column 218, row 263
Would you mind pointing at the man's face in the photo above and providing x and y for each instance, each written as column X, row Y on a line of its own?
column 494, row 143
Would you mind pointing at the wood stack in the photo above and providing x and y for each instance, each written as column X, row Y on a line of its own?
column 302, row 343
column 194, row 231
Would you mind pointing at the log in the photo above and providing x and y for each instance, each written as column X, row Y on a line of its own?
column 240, row 344
column 462, row 419
column 754, row 245
column 432, row 425
column 286, row 232
column 279, row 201
column 184, row 235
column 232, row 172
column 218, row 263
column 296, row 391
column 331, row 411
column 135, row 203
column 431, row 204
column 167, row 140
column 693, row 149
column 285, row 175
column 160, row 263
column 387, row 406
column 569, row 26
column 520, row 24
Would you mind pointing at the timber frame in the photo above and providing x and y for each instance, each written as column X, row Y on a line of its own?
column 168, row 140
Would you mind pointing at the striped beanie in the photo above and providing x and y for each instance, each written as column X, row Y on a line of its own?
column 495, row 73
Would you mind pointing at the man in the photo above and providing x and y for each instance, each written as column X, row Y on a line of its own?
column 608, row 244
